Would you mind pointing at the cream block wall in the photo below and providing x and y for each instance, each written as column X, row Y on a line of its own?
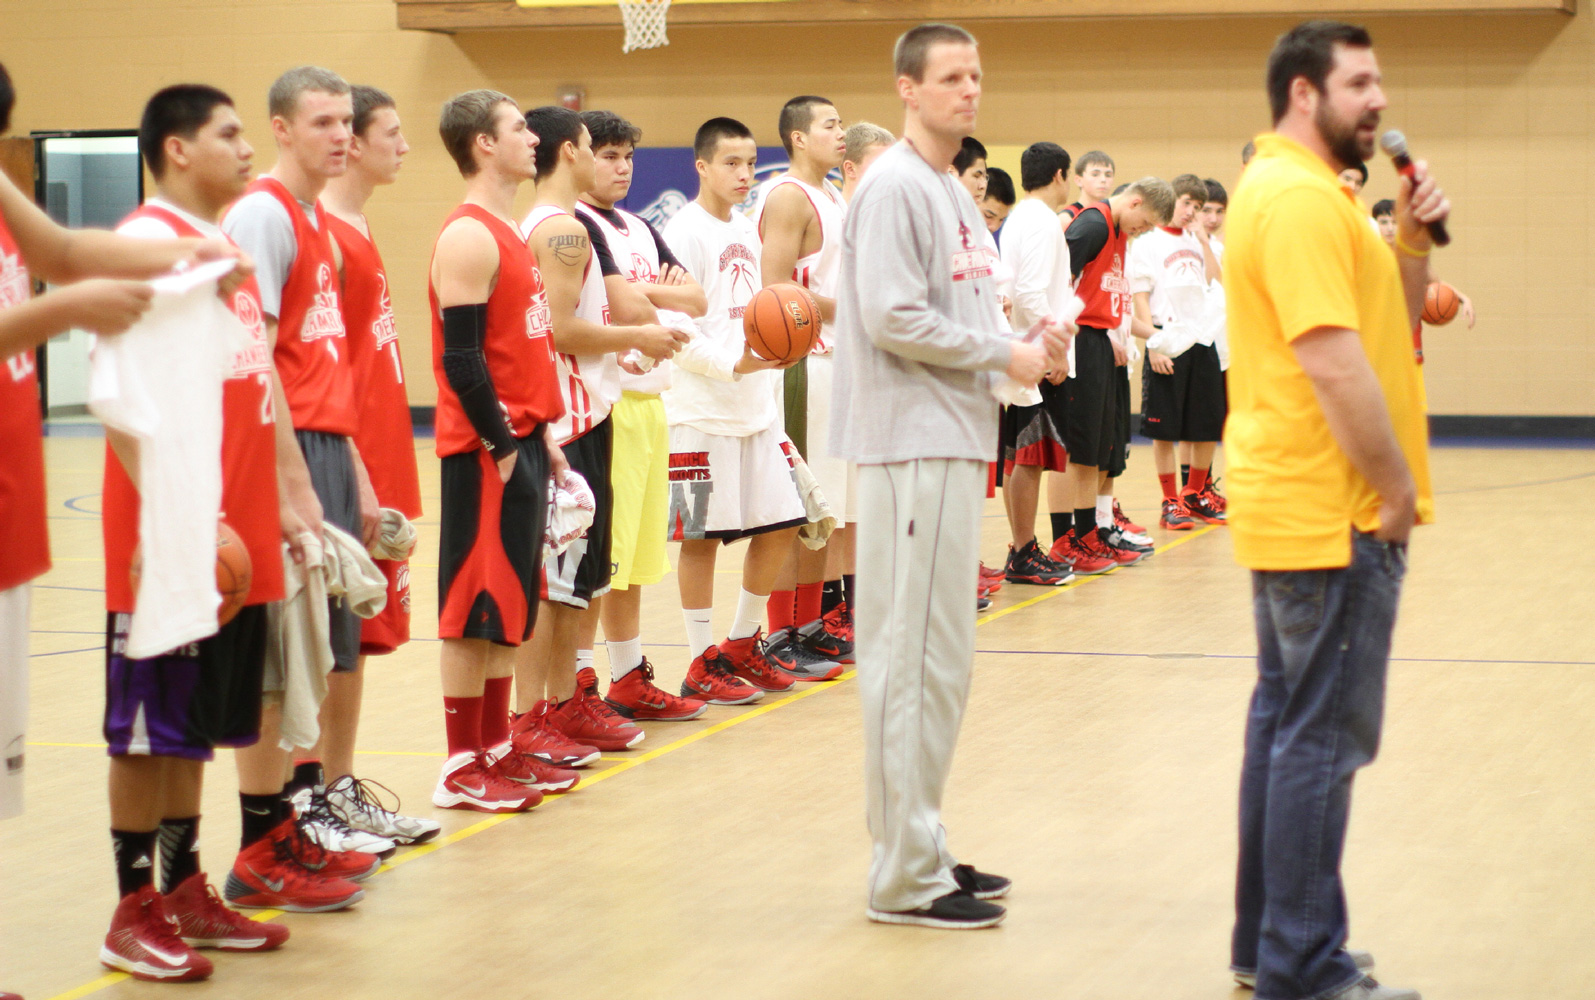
column 1500, row 104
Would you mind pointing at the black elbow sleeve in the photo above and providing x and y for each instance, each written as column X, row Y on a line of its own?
column 465, row 369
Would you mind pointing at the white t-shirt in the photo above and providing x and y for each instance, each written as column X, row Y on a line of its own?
column 161, row 383
column 258, row 223
column 706, row 393
column 589, row 383
column 1034, row 248
column 1217, row 308
column 1172, row 269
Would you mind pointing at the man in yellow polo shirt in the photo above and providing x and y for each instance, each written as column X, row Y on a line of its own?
column 1328, row 472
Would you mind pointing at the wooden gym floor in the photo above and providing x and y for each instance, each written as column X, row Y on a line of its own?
column 1098, row 767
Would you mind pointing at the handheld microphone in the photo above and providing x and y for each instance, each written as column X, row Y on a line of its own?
column 1395, row 146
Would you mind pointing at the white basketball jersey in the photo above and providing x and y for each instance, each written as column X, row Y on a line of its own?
column 637, row 256
column 589, row 383
column 819, row 272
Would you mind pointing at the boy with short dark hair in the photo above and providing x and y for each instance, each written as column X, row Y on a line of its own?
column 999, row 200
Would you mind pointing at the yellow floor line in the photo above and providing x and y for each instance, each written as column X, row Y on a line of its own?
column 623, row 765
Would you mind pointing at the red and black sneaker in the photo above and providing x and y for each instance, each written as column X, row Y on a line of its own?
column 534, row 733
column 1201, row 508
column 519, row 768
column 635, row 696
column 203, row 922
column 1030, row 565
column 839, row 623
column 266, row 875
column 352, row 865
column 1095, row 543
column 584, row 718
column 143, row 942
column 1175, row 517
column 1124, row 524
column 1084, row 562
column 710, row 679
column 751, row 662
column 1113, row 538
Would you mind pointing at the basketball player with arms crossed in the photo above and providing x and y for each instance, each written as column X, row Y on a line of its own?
column 799, row 216
column 492, row 355
column 385, row 438
column 587, row 358
column 644, row 282
column 730, row 477
column 281, row 224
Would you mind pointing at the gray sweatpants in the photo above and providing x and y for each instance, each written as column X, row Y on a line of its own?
column 918, row 555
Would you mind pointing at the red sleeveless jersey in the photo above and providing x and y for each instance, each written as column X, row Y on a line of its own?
column 312, row 351
column 1102, row 285
column 386, row 438
column 26, row 552
column 249, row 459
column 519, row 347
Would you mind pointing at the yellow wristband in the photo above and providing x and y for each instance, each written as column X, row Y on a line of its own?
column 1408, row 250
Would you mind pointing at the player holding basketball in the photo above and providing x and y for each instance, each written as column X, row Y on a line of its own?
column 281, row 224
column 587, row 360
column 643, row 280
column 919, row 346
column 31, row 245
column 799, row 216
column 492, row 343
column 730, row 477
column 1098, row 238
column 165, row 715
column 1328, row 467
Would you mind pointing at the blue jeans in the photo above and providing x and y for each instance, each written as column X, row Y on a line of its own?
column 1323, row 644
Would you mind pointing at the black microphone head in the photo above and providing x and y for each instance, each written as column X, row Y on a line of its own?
column 1393, row 143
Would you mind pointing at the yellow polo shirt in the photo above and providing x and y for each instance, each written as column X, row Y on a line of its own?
column 1300, row 255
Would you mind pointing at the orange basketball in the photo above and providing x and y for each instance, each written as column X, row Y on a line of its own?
column 234, row 571
column 781, row 322
column 1440, row 304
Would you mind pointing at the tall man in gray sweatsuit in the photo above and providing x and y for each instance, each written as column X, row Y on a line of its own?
column 919, row 347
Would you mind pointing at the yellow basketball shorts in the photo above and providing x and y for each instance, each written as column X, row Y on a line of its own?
column 639, row 473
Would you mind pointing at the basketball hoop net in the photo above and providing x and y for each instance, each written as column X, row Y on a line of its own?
column 645, row 24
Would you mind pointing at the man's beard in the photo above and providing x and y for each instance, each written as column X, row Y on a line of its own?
column 1345, row 145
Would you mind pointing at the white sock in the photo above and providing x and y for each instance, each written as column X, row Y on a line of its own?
column 750, row 615
column 700, row 629
column 1105, row 511
column 584, row 658
column 624, row 657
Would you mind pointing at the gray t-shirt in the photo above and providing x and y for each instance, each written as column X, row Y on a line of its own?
column 260, row 225
column 918, row 340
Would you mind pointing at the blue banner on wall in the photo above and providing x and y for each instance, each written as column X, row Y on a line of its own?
column 664, row 179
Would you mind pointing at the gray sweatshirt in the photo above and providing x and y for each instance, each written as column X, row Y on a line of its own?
column 915, row 349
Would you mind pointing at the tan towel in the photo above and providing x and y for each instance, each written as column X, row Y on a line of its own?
column 815, row 507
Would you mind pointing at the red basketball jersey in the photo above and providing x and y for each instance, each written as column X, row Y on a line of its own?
column 1102, row 285
column 26, row 552
column 249, row 460
column 386, row 438
column 519, row 348
column 312, row 350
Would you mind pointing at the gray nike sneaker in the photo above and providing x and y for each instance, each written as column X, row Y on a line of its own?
column 788, row 651
column 1362, row 959
column 1371, row 989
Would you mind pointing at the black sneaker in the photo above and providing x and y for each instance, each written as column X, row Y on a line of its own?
column 789, row 652
column 955, row 911
column 982, row 604
column 1117, row 539
column 981, row 885
column 1031, row 565
column 824, row 642
column 1201, row 508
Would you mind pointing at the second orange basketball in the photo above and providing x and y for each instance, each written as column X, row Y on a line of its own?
column 781, row 323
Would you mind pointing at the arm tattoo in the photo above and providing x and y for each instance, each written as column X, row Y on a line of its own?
column 568, row 250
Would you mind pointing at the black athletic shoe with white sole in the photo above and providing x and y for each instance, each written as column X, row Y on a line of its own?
column 981, row 885
column 956, row 911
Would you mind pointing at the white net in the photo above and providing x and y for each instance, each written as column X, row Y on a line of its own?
column 645, row 24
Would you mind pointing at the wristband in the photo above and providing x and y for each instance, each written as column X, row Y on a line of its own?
column 1403, row 248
